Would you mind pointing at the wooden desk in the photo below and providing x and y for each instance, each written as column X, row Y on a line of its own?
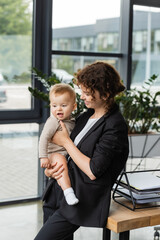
column 121, row 220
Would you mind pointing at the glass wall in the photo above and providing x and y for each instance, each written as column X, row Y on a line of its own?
column 86, row 26
column 73, row 63
column 145, row 45
column 18, row 162
column 20, row 116
column 15, row 54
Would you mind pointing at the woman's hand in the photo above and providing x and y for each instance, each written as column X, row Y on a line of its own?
column 55, row 171
column 61, row 137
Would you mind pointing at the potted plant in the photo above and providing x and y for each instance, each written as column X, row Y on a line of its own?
column 142, row 114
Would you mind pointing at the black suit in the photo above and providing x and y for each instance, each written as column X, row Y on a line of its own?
column 106, row 143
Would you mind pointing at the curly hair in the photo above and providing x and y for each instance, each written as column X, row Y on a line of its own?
column 102, row 77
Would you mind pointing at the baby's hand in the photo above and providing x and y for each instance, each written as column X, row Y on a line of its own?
column 45, row 163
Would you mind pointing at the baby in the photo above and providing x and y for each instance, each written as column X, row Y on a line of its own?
column 62, row 103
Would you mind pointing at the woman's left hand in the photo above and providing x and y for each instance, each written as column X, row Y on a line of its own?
column 61, row 137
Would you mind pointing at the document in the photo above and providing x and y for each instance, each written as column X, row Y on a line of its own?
column 139, row 199
column 142, row 181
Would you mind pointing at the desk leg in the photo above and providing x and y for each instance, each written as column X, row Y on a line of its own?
column 106, row 234
column 124, row 235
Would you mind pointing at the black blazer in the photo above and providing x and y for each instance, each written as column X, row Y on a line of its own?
column 106, row 143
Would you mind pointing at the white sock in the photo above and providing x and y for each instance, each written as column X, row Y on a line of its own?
column 70, row 196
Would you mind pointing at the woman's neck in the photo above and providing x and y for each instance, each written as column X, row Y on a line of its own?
column 98, row 113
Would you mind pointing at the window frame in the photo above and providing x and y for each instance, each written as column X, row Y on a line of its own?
column 41, row 59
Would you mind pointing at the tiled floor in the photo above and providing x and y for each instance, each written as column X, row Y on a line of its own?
column 23, row 221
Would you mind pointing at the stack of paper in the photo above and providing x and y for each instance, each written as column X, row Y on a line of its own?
column 144, row 187
column 139, row 199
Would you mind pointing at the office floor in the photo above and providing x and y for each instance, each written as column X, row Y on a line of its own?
column 22, row 222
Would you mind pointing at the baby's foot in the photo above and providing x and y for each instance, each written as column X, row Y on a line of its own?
column 70, row 196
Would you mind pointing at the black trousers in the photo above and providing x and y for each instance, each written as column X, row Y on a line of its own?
column 55, row 227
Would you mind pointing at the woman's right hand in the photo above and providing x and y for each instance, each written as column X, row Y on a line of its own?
column 55, row 171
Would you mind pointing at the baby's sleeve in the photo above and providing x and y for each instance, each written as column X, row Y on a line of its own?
column 48, row 131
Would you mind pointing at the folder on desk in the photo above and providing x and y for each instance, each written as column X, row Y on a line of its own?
column 142, row 181
column 139, row 198
column 138, row 187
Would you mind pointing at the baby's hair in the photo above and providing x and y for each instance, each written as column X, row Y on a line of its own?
column 61, row 88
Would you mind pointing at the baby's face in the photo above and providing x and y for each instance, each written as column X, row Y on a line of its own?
column 62, row 105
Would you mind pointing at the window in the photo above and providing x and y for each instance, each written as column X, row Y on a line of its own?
column 19, row 113
column 18, row 163
column 70, row 64
column 145, row 44
column 77, row 40
column 15, row 55
column 108, row 42
column 157, row 42
column 98, row 17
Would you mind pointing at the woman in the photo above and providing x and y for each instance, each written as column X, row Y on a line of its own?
column 97, row 149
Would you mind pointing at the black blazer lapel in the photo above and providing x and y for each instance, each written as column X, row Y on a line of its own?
column 84, row 119
column 81, row 123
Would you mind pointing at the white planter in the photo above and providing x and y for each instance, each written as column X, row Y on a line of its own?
column 144, row 145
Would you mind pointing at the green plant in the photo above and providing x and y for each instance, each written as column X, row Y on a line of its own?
column 140, row 108
column 47, row 83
